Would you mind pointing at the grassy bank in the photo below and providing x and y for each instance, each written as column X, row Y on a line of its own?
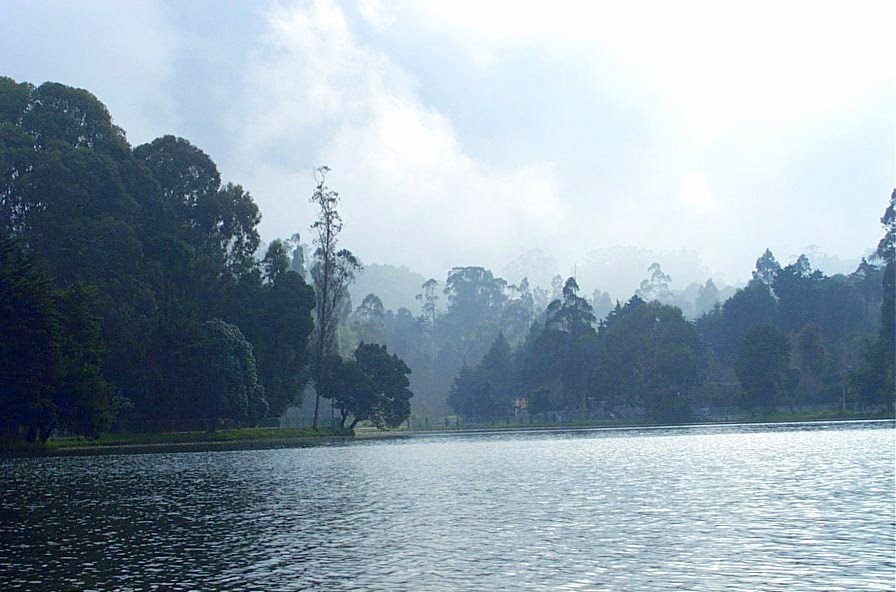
column 232, row 435
column 539, row 423
column 233, row 439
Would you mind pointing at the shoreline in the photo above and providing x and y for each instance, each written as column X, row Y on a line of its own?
column 277, row 438
column 162, row 442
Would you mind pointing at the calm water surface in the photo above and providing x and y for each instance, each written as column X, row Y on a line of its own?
column 797, row 507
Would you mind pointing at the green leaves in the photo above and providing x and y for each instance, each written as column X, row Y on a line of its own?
column 763, row 367
column 374, row 386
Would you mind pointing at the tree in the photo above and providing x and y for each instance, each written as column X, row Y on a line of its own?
column 84, row 399
column 749, row 307
column 224, row 375
column 886, row 250
column 50, row 354
column 332, row 272
column 389, row 375
column 868, row 280
column 59, row 113
column 368, row 320
column 429, row 299
column 811, row 355
column 488, row 389
column 767, row 268
column 297, row 262
column 219, row 222
column 707, row 297
column 281, row 346
column 373, row 386
column 601, row 303
column 797, row 287
column 656, row 287
column 647, row 355
column 518, row 313
column 763, row 368
column 29, row 344
column 562, row 355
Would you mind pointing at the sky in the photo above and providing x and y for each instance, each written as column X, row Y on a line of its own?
column 470, row 133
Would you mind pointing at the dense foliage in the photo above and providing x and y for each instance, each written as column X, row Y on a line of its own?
column 130, row 279
column 791, row 337
column 133, row 290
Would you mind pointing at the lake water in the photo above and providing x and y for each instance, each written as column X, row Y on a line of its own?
column 792, row 507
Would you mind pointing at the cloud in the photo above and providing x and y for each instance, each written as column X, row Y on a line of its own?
column 126, row 62
column 411, row 193
column 376, row 14
column 716, row 66
column 695, row 192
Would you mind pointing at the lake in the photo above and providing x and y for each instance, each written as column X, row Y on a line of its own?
column 751, row 507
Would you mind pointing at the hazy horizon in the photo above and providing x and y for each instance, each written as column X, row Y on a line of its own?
column 471, row 141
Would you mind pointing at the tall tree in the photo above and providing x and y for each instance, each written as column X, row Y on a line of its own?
column 486, row 391
column 29, row 344
column 332, row 272
column 647, row 355
column 369, row 321
column 763, row 367
column 224, row 375
column 707, row 297
column 429, row 299
column 886, row 250
column 656, row 287
column 767, row 268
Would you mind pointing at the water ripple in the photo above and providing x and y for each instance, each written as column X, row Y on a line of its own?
column 747, row 508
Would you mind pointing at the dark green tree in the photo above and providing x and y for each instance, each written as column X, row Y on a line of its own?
column 811, row 356
column 763, row 368
column 797, row 288
column 84, row 399
column 886, row 250
column 224, row 376
column 29, row 345
column 374, row 386
column 486, row 391
column 282, row 347
column 648, row 355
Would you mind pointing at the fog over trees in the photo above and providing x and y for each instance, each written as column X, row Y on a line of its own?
column 135, row 293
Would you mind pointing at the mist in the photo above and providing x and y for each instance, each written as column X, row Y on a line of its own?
column 426, row 295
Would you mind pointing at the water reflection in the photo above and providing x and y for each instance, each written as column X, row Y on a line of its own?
column 748, row 507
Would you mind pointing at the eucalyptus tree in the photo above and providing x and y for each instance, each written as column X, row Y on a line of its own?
column 332, row 271
column 368, row 321
column 767, row 268
column 429, row 299
column 656, row 287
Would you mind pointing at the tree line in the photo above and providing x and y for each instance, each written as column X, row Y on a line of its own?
column 791, row 336
column 132, row 286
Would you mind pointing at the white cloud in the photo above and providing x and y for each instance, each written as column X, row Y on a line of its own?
column 411, row 194
column 376, row 14
column 716, row 65
column 695, row 193
column 126, row 62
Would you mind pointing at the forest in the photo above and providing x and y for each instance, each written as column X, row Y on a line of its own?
column 136, row 294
